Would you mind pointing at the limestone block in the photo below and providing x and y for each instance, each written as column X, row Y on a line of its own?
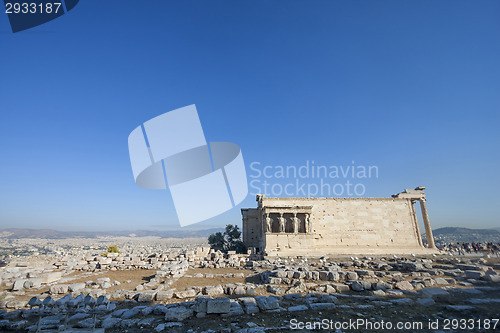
column 127, row 323
column 274, row 280
column 440, row 281
column 63, row 300
column 110, row 322
column 240, row 291
column 403, row 301
column 329, row 289
column 322, row 306
column 466, row 267
column 436, row 293
column 76, row 301
column 218, row 305
column 251, row 291
column 235, row 310
column 76, row 287
column 18, row 284
column 77, row 317
column 214, row 290
column 281, row 274
column 267, row 303
column 340, row 287
column 451, row 280
column 59, row 289
column 297, row 308
column 277, row 290
column 393, row 292
column 357, row 286
column 50, row 277
column 427, row 301
column 118, row 313
column 33, row 283
column 412, row 266
column 131, row 313
column 323, row 275
column 378, row 292
column 380, row 286
column 404, row 285
column 164, row 295
column 178, row 313
column 429, row 282
column 185, row 293
column 16, row 304
column 470, row 274
column 146, row 296
column 200, row 304
column 365, row 273
column 492, row 278
column 250, row 305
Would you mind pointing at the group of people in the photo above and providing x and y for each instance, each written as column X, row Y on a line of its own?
column 470, row 248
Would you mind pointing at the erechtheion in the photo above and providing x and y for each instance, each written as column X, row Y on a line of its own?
column 321, row 226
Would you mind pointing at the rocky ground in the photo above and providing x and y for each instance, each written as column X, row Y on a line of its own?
column 205, row 291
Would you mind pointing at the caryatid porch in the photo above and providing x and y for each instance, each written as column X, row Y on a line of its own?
column 287, row 220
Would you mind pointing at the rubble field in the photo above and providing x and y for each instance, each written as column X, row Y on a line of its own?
column 202, row 290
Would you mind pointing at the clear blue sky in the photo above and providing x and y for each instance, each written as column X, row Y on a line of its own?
column 412, row 87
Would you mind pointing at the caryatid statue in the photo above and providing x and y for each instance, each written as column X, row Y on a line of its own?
column 269, row 223
column 308, row 224
column 282, row 222
column 296, row 222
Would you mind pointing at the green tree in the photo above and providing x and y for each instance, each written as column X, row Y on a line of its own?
column 229, row 241
column 217, row 241
column 232, row 233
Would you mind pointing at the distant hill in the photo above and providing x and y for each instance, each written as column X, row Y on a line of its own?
column 16, row 233
column 456, row 234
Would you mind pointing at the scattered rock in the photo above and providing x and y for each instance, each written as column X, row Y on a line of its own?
column 178, row 313
column 404, row 285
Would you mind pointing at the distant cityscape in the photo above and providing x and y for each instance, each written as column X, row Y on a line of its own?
column 465, row 235
column 444, row 235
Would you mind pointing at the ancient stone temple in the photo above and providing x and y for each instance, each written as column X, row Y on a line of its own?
column 321, row 226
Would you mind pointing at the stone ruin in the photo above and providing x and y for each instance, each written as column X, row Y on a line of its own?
column 320, row 226
column 290, row 287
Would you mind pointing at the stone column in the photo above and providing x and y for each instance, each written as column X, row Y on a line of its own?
column 414, row 216
column 428, row 229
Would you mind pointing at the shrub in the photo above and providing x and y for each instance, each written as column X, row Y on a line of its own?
column 111, row 249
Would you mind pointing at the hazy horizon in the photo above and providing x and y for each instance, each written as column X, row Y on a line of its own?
column 180, row 229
